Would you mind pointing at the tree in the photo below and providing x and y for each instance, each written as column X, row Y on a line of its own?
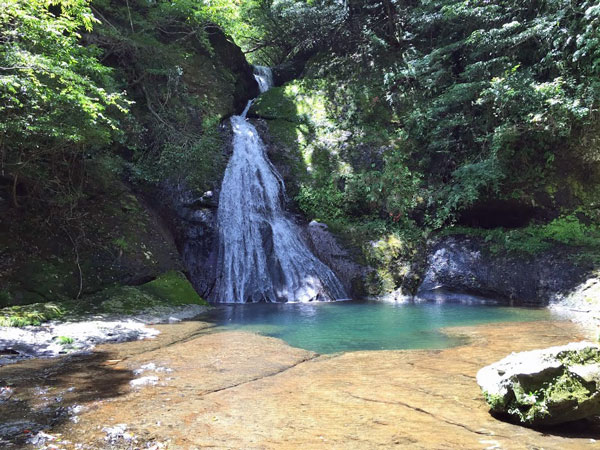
column 56, row 99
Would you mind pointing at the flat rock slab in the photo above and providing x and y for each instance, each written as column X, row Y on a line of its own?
column 239, row 390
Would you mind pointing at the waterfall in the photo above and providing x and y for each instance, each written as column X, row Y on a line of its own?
column 261, row 255
column 264, row 78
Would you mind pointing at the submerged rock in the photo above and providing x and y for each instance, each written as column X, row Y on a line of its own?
column 545, row 387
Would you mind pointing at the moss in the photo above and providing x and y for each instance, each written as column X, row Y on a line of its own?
column 65, row 340
column 587, row 356
column 169, row 289
column 496, row 403
column 35, row 314
column 534, row 402
column 54, row 278
column 125, row 300
column 534, row 405
column 5, row 297
column 173, row 288
column 276, row 104
column 568, row 387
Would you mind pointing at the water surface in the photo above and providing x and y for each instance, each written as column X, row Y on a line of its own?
column 348, row 326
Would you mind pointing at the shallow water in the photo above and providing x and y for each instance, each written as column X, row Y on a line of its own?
column 349, row 326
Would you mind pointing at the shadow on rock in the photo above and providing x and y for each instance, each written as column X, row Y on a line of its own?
column 42, row 393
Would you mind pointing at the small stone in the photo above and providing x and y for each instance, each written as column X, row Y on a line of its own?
column 144, row 381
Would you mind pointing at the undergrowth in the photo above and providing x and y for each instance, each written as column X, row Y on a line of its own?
column 170, row 289
column 536, row 238
column 35, row 314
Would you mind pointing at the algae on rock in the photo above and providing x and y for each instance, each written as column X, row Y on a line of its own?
column 545, row 387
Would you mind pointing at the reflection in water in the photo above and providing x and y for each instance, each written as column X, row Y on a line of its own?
column 347, row 326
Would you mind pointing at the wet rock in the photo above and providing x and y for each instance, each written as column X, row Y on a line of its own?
column 397, row 296
column 42, row 341
column 39, row 439
column 153, row 368
column 545, row 387
column 18, row 429
column 192, row 219
column 45, row 340
column 232, row 57
column 464, row 264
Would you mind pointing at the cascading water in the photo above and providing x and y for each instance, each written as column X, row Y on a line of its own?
column 261, row 256
column 264, row 78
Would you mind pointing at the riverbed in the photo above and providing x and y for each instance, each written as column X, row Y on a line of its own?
column 200, row 385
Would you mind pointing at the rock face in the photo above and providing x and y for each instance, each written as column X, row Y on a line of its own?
column 464, row 265
column 582, row 304
column 192, row 218
column 545, row 387
column 326, row 247
column 231, row 56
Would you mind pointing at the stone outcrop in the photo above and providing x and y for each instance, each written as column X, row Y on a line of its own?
column 233, row 59
column 327, row 248
column 193, row 220
column 582, row 304
column 464, row 264
column 545, row 387
column 241, row 390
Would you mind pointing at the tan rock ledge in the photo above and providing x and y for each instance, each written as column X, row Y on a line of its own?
column 239, row 390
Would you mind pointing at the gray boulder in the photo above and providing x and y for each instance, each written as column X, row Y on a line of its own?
column 465, row 264
column 545, row 387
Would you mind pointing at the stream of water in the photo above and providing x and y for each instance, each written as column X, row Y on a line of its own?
column 261, row 256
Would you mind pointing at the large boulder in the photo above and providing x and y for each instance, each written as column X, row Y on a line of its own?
column 545, row 387
column 465, row 264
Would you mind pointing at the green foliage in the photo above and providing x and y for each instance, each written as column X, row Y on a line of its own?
column 65, row 340
column 271, row 31
column 181, row 87
column 35, row 314
column 58, row 102
column 565, row 230
column 489, row 99
column 323, row 203
column 121, row 243
column 169, row 289
column 498, row 93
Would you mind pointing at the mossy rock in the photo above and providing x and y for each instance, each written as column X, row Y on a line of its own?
column 169, row 289
column 173, row 288
column 276, row 104
column 34, row 314
column 50, row 279
column 545, row 387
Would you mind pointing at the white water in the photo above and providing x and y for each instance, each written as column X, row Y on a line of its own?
column 264, row 78
column 261, row 254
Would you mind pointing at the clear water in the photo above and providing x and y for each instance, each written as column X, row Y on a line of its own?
column 349, row 326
